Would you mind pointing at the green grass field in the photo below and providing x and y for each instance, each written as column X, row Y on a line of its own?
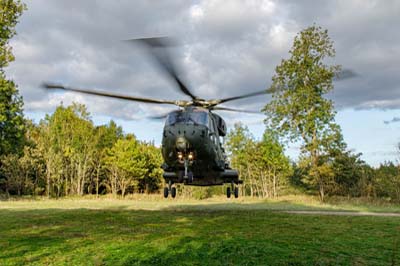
column 150, row 231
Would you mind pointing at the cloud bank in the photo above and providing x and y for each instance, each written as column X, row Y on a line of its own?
column 228, row 48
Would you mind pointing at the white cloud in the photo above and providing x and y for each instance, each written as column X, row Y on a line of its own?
column 229, row 48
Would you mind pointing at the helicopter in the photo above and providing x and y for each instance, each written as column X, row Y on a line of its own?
column 192, row 137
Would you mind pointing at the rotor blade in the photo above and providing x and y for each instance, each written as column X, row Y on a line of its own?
column 221, row 108
column 243, row 96
column 50, row 86
column 345, row 74
column 164, row 59
column 158, row 117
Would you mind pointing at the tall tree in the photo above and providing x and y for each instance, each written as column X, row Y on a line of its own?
column 105, row 137
column 275, row 162
column 387, row 181
column 299, row 109
column 11, row 115
column 151, row 180
column 67, row 143
column 126, row 163
column 261, row 164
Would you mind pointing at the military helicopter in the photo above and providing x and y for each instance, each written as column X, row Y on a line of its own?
column 192, row 146
column 192, row 136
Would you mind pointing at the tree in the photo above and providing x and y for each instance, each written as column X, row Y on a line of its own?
column 299, row 110
column 67, row 143
column 21, row 172
column 261, row 164
column 152, row 178
column 240, row 144
column 387, row 181
column 274, row 160
column 11, row 115
column 105, row 137
column 349, row 174
column 126, row 163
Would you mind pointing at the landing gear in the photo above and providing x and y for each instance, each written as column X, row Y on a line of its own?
column 187, row 180
column 233, row 188
column 228, row 192
column 170, row 189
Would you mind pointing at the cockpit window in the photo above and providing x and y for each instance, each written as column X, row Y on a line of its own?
column 175, row 117
column 200, row 118
column 191, row 117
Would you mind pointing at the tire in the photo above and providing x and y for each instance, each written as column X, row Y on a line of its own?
column 228, row 192
column 173, row 192
column 236, row 192
column 165, row 192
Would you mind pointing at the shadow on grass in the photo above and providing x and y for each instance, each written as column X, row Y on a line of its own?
column 223, row 234
column 265, row 205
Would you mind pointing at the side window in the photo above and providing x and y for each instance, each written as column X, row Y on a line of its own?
column 211, row 125
column 213, row 132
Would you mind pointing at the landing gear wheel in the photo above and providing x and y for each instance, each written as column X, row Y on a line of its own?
column 166, row 191
column 173, row 192
column 228, row 192
column 236, row 192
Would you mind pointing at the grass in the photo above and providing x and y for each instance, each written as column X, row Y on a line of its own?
column 150, row 231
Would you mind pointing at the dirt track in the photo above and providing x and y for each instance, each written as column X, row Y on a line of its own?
column 344, row 213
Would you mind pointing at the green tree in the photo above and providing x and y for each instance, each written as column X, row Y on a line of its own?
column 387, row 181
column 67, row 142
column 274, row 160
column 127, row 165
column 105, row 137
column 299, row 109
column 21, row 172
column 262, row 164
column 11, row 115
column 349, row 174
column 238, row 140
column 152, row 178
column 240, row 145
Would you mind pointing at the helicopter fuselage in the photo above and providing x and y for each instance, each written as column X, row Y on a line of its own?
column 192, row 149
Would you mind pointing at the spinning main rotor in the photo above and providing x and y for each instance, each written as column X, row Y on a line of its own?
column 156, row 49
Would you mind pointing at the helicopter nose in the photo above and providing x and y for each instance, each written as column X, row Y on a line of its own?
column 181, row 143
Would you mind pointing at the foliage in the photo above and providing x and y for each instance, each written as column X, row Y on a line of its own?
column 22, row 173
column 11, row 116
column 387, row 181
column 10, row 11
column 262, row 164
column 299, row 109
column 67, row 155
column 151, row 180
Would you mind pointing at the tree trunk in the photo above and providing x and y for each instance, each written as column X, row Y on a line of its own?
column 48, row 181
column 97, row 181
column 251, row 182
column 274, row 183
column 321, row 191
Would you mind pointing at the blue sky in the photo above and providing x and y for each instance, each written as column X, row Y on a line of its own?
column 227, row 48
column 364, row 131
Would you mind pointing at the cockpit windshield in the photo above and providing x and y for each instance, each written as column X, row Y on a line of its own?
column 194, row 117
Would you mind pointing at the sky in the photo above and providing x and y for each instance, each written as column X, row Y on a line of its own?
column 226, row 48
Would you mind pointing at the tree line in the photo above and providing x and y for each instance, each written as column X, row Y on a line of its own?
column 268, row 172
column 66, row 154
